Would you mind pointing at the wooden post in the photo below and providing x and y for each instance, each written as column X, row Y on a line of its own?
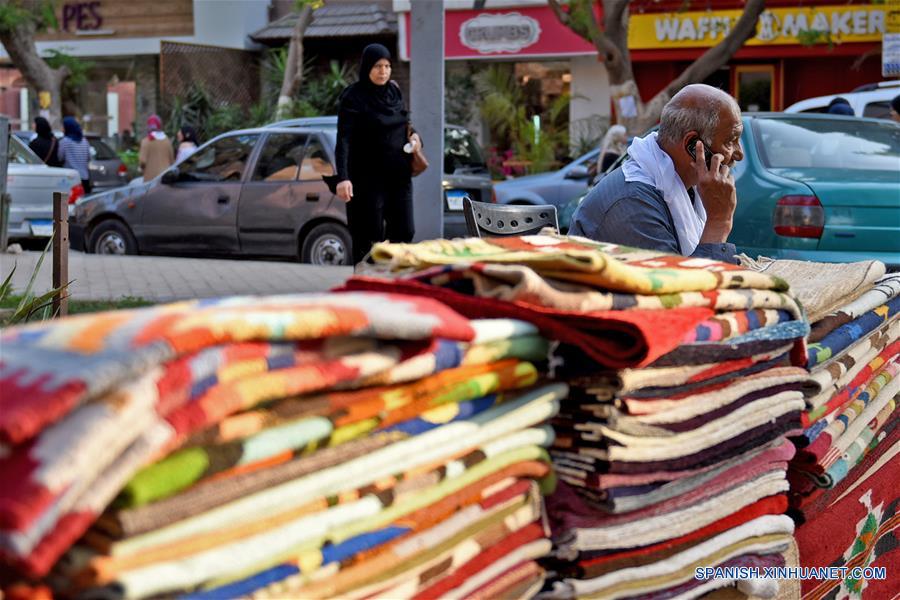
column 60, row 253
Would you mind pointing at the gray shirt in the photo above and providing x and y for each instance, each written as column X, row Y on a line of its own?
column 635, row 214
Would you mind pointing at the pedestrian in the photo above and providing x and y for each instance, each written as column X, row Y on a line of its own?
column 187, row 142
column 45, row 145
column 840, row 106
column 895, row 108
column 75, row 152
column 156, row 153
column 374, row 171
column 613, row 146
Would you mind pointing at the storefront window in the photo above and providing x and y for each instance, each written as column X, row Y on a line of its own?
column 755, row 91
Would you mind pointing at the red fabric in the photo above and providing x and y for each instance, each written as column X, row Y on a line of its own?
column 487, row 557
column 771, row 505
column 615, row 339
column 856, row 524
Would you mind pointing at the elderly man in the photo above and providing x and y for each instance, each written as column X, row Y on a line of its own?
column 675, row 193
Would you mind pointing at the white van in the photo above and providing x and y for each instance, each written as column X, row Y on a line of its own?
column 872, row 100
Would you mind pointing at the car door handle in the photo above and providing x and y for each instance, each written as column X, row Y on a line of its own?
column 312, row 197
column 223, row 199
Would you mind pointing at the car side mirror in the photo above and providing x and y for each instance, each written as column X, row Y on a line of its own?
column 169, row 177
column 578, row 172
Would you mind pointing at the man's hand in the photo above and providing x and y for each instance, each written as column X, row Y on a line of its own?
column 345, row 190
column 719, row 196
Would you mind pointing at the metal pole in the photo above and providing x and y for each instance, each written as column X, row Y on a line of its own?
column 60, row 253
column 4, row 198
column 427, row 105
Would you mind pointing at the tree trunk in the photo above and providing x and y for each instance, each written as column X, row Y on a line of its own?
column 19, row 44
column 293, row 70
column 612, row 44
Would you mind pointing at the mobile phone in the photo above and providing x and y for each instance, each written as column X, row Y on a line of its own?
column 691, row 149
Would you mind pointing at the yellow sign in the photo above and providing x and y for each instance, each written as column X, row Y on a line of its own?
column 44, row 99
column 776, row 26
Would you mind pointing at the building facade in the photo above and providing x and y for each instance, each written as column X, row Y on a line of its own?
column 802, row 48
column 140, row 51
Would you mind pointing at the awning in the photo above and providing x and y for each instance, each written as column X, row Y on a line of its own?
column 332, row 21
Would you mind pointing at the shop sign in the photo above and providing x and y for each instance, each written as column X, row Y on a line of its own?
column 508, row 32
column 890, row 43
column 776, row 26
column 85, row 16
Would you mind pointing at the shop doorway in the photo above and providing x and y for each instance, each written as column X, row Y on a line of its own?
column 755, row 87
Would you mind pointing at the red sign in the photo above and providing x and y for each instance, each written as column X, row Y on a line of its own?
column 522, row 32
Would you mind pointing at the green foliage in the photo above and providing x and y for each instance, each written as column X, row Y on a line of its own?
column 130, row 158
column 29, row 306
column 40, row 14
column 811, row 37
column 503, row 109
column 459, row 97
column 79, row 69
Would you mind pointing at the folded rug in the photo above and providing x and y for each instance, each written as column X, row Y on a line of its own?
column 856, row 524
column 278, row 434
column 884, row 289
column 608, row 266
column 826, row 408
column 820, row 287
column 523, row 285
column 516, row 414
column 837, row 341
column 48, row 369
column 345, row 566
column 697, row 487
column 764, row 535
column 817, row 450
column 610, row 338
column 585, row 529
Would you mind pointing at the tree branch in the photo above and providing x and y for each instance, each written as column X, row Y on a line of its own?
column 722, row 52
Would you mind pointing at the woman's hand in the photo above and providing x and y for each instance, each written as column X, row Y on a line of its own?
column 415, row 140
column 345, row 190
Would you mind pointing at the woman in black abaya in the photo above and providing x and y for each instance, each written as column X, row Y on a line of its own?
column 373, row 169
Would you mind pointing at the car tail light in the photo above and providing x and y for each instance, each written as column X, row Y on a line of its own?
column 799, row 216
column 122, row 170
column 493, row 196
column 75, row 193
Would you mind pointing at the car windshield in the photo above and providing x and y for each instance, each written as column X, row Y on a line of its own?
column 461, row 152
column 21, row 154
column 828, row 144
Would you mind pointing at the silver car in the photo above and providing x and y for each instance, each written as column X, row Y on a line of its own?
column 31, row 184
column 106, row 168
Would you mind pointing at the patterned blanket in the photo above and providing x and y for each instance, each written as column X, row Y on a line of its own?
column 601, row 265
column 611, row 338
column 885, row 289
column 50, row 368
column 840, row 339
column 856, row 524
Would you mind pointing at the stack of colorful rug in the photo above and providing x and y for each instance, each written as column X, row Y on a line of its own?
column 671, row 446
column 311, row 446
column 845, row 453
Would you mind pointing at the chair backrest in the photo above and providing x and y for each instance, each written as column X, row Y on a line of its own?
column 500, row 220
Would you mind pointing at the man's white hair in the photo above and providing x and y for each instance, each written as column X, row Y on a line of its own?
column 700, row 114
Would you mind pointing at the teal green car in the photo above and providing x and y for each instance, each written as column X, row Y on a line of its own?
column 817, row 187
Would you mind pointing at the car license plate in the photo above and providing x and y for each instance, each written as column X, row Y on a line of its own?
column 42, row 228
column 455, row 199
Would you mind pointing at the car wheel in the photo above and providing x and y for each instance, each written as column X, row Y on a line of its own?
column 112, row 237
column 327, row 244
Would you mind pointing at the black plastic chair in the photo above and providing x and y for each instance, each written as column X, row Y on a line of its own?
column 501, row 220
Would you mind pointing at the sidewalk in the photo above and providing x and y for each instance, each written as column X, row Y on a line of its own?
column 162, row 279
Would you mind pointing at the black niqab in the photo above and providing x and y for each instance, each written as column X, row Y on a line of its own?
column 42, row 128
